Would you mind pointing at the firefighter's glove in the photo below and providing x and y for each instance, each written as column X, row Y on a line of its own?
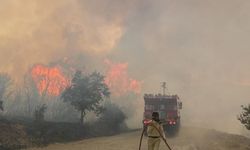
column 147, row 122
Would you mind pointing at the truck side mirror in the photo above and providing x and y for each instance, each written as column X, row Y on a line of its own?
column 180, row 105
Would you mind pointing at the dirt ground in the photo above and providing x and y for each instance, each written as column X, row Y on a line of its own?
column 187, row 139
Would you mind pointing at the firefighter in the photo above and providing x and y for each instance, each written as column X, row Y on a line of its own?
column 154, row 138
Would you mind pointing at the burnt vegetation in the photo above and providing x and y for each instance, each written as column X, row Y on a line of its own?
column 45, row 119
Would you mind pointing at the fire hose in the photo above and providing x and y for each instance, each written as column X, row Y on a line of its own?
column 144, row 129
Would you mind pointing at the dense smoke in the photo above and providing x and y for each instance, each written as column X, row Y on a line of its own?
column 198, row 47
column 42, row 31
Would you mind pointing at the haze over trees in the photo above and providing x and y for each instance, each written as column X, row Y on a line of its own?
column 86, row 93
column 244, row 117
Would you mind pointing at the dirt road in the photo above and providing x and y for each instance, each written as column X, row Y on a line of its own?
column 188, row 139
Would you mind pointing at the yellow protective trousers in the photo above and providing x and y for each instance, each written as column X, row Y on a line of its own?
column 153, row 143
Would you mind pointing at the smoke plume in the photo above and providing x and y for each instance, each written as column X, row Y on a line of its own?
column 41, row 31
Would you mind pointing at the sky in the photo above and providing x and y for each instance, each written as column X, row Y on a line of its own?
column 199, row 47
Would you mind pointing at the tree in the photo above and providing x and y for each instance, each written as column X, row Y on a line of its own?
column 1, row 105
column 112, row 119
column 30, row 93
column 244, row 117
column 4, row 84
column 39, row 113
column 86, row 92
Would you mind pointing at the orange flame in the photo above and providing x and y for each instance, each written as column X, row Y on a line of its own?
column 50, row 81
column 118, row 80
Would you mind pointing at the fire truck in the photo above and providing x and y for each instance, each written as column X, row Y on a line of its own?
column 168, row 107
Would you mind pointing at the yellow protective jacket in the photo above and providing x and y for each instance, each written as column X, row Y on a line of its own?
column 152, row 132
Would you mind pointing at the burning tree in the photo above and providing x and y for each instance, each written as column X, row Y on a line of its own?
column 49, row 80
column 86, row 92
column 118, row 80
column 4, row 84
column 245, row 116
